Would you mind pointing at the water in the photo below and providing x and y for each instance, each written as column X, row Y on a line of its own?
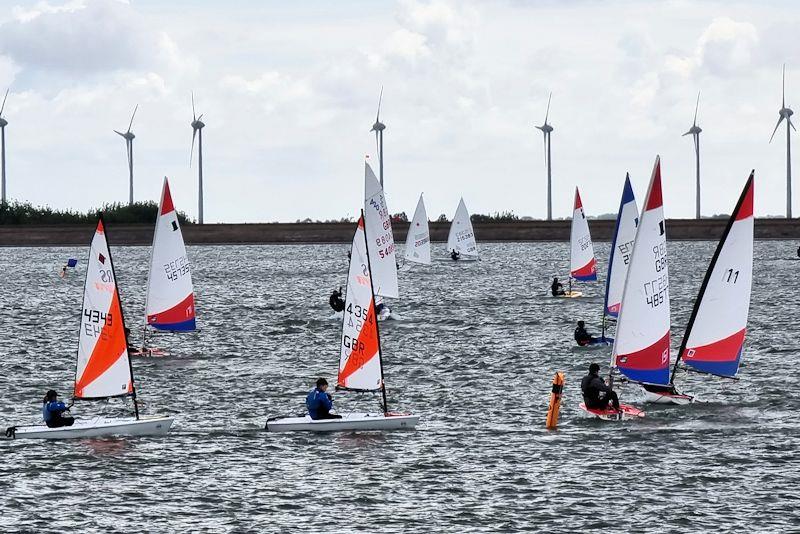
column 474, row 355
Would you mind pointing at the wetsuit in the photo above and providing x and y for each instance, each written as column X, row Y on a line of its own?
column 596, row 394
column 455, row 255
column 336, row 301
column 52, row 414
column 319, row 405
column 557, row 289
column 582, row 336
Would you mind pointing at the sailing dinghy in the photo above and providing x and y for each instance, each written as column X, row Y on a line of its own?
column 169, row 302
column 104, row 368
column 378, row 227
column 461, row 239
column 360, row 360
column 714, row 338
column 418, row 240
column 583, row 265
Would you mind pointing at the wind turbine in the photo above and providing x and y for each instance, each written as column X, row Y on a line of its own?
column 197, row 131
column 546, row 130
column 378, row 128
column 128, row 136
column 3, row 124
column 786, row 113
column 694, row 131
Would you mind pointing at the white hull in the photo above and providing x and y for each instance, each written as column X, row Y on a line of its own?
column 667, row 398
column 98, row 427
column 352, row 421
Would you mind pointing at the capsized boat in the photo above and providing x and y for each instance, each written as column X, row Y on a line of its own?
column 582, row 263
column 461, row 238
column 360, row 357
column 418, row 239
column 104, row 369
column 714, row 337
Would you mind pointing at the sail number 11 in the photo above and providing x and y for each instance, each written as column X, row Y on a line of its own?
column 730, row 276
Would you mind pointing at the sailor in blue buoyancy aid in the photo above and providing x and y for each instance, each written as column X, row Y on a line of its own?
column 319, row 402
column 53, row 409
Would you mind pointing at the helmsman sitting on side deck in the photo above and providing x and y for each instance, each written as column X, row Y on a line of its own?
column 582, row 336
column 596, row 394
column 53, row 410
column 455, row 255
column 319, row 402
column 336, row 301
column 556, row 288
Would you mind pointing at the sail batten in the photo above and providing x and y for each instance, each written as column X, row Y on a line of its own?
column 583, row 265
column 378, row 228
column 418, row 240
column 462, row 236
column 621, row 249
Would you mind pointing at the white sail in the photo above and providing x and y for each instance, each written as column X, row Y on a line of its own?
column 418, row 240
column 583, row 265
column 621, row 248
column 103, row 368
column 170, row 296
column 378, row 226
column 360, row 358
column 462, row 237
column 641, row 345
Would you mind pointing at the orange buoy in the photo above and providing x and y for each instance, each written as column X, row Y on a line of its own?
column 555, row 401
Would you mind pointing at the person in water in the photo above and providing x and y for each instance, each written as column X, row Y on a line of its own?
column 556, row 288
column 336, row 301
column 582, row 336
column 455, row 255
column 53, row 411
column 319, row 402
column 596, row 394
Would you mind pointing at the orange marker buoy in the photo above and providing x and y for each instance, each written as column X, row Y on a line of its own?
column 555, row 401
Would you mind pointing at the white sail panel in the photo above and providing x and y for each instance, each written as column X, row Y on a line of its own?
column 170, row 295
column 462, row 237
column 378, row 226
column 583, row 265
column 359, row 360
column 641, row 345
column 103, row 368
column 715, row 337
column 418, row 240
column 621, row 248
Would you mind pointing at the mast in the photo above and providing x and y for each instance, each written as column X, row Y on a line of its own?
column 375, row 315
column 707, row 277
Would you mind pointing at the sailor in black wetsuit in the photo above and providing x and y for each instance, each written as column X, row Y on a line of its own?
column 596, row 394
column 556, row 288
column 336, row 301
column 582, row 336
column 454, row 254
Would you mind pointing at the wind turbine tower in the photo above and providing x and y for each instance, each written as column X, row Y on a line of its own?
column 197, row 131
column 378, row 128
column 694, row 131
column 547, row 130
column 786, row 113
column 128, row 136
column 3, row 124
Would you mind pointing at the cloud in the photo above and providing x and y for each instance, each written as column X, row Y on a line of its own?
column 725, row 48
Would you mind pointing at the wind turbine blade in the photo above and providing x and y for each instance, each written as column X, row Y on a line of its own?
column 380, row 99
column 687, row 133
column 132, row 116
column 544, row 138
column 191, row 152
column 194, row 117
column 776, row 128
column 547, row 114
column 4, row 104
column 695, row 138
column 791, row 124
column 119, row 133
column 783, row 87
column 201, row 116
column 696, row 107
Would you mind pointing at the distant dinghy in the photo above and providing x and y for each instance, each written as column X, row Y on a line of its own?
column 582, row 263
column 361, row 358
column 418, row 240
column 714, row 337
column 461, row 239
column 104, row 367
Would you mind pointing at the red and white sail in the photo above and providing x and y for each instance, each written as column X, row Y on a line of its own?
column 641, row 345
column 462, row 237
column 170, row 295
column 103, row 368
column 378, row 226
column 716, row 331
column 583, row 265
column 418, row 240
column 360, row 358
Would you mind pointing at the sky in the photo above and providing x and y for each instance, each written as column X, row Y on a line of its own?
column 289, row 93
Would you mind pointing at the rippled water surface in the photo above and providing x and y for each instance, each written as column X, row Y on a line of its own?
column 474, row 354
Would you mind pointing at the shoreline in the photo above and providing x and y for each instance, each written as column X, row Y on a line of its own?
column 323, row 233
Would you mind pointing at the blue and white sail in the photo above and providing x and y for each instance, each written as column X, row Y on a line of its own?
column 621, row 248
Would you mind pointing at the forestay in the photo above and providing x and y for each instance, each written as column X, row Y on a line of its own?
column 583, row 265
column 462, row 237
column 378, row 227
column 641, row 345
column 360, row 356
column 418, row 240
column 170, row 296
column 715, row 336
column 621, row 248
column 103, row 368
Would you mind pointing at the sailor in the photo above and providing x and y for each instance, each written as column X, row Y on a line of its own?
column 53, row 410
column 319, row 402
column 336, row 301
column 596, row 394
column 556, row 288
column 455, row 255
column 64, row 270
column 582, row 336
column 379, row 308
